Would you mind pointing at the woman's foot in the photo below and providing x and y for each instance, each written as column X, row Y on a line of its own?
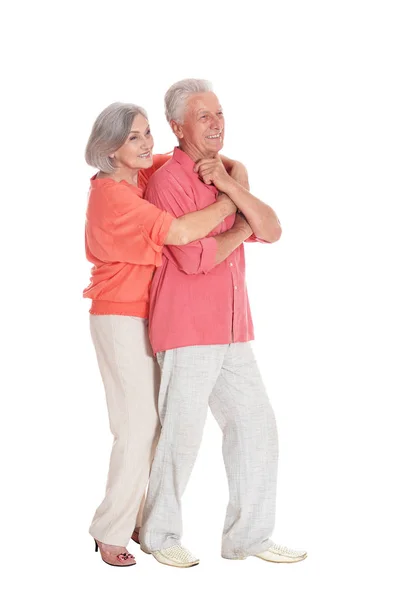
column 116, row 556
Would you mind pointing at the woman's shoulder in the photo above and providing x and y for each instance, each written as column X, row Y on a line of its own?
column 108, row 198
column 106, row 186
column 159, row 160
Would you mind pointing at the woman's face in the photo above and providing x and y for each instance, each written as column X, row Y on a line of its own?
column 136, row 152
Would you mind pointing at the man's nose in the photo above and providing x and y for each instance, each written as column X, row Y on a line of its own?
column 216, row 123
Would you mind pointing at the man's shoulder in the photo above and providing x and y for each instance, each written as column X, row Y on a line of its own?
column 170, row 174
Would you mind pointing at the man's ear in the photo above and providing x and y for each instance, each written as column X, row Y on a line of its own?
column 177, row 129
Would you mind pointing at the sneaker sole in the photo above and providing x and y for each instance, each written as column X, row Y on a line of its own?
column 299, row 559
column 281, row 562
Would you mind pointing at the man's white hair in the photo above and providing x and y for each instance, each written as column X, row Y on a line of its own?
column 177, row 95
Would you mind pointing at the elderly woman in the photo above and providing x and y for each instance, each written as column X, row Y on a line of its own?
column 125, row 236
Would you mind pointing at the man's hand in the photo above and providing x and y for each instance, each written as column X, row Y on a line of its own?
column 211, row 170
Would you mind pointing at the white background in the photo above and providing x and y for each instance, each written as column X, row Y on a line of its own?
column 310, row 93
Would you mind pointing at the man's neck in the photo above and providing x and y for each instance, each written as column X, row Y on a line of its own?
column 194, row 153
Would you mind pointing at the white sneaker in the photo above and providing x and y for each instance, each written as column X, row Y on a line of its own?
column 176, row 556
column 282, row 554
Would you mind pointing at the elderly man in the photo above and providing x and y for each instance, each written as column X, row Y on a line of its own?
column 200, row 329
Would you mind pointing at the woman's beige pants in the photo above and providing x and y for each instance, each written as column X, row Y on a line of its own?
column 131, row 380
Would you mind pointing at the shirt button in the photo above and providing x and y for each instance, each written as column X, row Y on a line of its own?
column 235, row 287
column 231, row 264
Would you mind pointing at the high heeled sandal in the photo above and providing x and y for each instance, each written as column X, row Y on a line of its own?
column 116, row 560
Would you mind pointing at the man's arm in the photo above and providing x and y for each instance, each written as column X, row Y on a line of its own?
column 261, row 217
column 228, row 241
column 203, row 255
column 236, row 170
column 196, row 225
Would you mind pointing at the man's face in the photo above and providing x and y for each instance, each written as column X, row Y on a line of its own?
column 203, row 129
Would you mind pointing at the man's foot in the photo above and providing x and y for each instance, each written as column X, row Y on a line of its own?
column 282, row 554
column 176, row 556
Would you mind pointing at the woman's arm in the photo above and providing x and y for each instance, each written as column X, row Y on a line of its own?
column 203, row 255
column 196, row 225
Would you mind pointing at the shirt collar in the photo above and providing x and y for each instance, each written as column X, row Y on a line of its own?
column 184, row 160
column 188, row 165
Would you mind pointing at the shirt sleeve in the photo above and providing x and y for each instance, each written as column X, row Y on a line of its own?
column 126, row 228
column 253, row 238
column 196, row 257
column 144, row 174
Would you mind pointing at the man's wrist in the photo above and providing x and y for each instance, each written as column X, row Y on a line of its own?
column 231, row 187
column 240, row 174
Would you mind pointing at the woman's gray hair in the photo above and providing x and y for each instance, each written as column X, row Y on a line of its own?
column 110, row 130
column 178, row 94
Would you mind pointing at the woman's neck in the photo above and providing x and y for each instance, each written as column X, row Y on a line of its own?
column 129, row 175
